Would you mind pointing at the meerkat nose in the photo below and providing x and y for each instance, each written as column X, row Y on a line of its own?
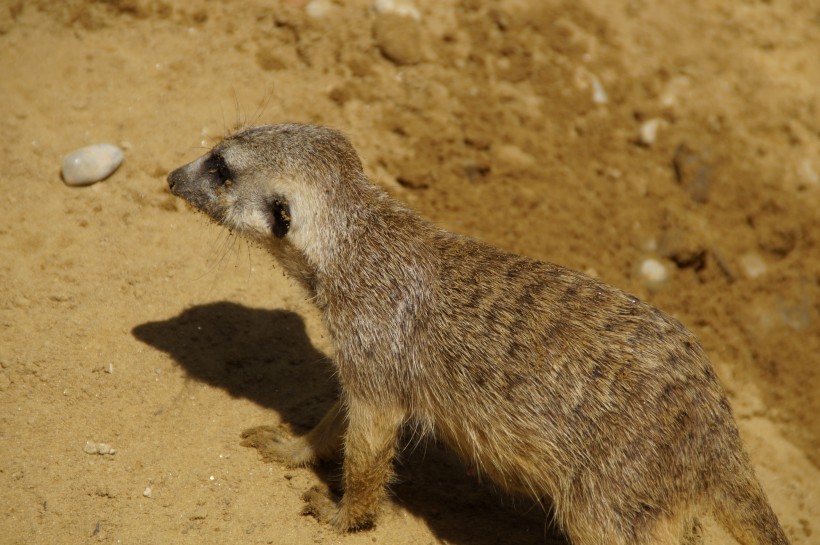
column 171, row 180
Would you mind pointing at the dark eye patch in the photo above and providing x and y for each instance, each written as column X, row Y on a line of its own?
column 218, row 166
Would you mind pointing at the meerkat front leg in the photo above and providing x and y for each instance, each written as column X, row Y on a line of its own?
column 369, row 447
column 323, row 442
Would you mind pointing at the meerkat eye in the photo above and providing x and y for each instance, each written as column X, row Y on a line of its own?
column 223, row 173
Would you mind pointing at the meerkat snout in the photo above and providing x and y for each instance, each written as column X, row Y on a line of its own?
column 546, row 381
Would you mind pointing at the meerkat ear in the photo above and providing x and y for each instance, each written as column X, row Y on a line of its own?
column 280, row 212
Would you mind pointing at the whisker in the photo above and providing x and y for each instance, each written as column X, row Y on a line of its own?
column 224, row 123
column 227, row 243
column 262, row 107
column 250, row 263
column 239, row 122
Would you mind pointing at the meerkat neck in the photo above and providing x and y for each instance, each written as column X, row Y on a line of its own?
column 382, row 243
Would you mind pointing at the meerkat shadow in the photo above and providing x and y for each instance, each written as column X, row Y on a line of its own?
column 262, row 355
column 266, row 356
column 434, row 484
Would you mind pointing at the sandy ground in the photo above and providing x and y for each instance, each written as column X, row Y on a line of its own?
column 128, row 320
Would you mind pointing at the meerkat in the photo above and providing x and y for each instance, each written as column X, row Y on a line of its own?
column 549, row 382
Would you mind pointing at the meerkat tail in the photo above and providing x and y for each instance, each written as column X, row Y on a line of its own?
column 741, row 506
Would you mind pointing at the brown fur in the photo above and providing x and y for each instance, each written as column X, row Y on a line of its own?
column 549, row 382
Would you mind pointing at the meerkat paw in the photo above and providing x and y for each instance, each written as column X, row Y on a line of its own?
column 276, row 445
column 320, row 505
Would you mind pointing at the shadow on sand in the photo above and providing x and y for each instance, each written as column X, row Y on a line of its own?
column 267, row 357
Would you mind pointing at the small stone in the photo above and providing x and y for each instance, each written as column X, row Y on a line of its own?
column 147, row 492
column 753, row 265
column 808, row 173
column 104, row 491
column 653, row 272
column 683, row 247
column 693, row 172
column 649, row 131
column 676, row 87
column 199, row 514
column 405, row 8
column 318, row 8
column 398, row 38
column 723, row 264
column 91, row 164
column 795, row 314
column 514, row 155
column 586, row 80
column 599, row 95
column 98, row 448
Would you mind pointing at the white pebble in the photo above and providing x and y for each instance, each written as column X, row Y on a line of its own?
column 753, row 265
column 675, row 88
column 589, row 271
column 91, row 164
column 808, row 173
column 649, row 130
column 599, row 95
column 585, row 79
column 399, row 7
column 318, row 8
column 98, row 448
column 147, row 492
column 653, row 272
column 514, row 155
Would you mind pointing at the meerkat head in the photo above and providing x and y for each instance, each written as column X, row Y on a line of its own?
column 276, row 183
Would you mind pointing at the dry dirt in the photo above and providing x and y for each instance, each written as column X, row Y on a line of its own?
column 127, row 319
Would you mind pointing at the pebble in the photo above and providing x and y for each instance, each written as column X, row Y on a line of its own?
column 199, row 514
column 674, row 90
column 693, row 172
column 653, row 272
column 398, row 7
column 649, row 130
column 753, row 265
column 98, row 448
column 808, row 174
column 514, row 155
column 599, row 95
column 399, row 38
column 91, row 164
column 147, row 492
column 796, row 314
column 318, row 8
column 585, row 79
